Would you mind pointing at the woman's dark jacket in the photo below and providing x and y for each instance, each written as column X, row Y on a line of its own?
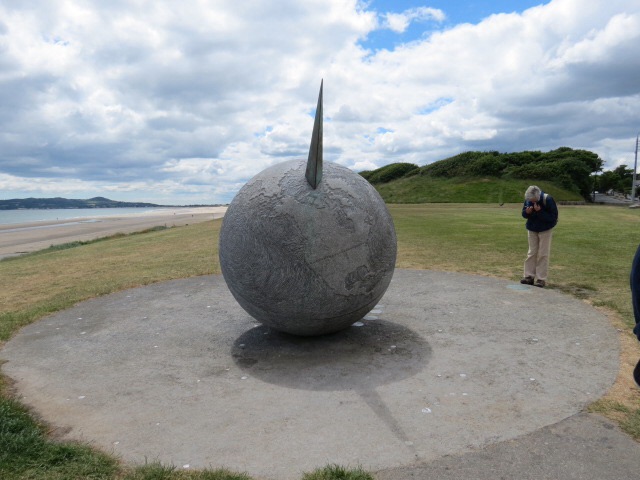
column 546, row 218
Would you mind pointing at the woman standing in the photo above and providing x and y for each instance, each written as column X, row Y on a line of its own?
column 541, row 213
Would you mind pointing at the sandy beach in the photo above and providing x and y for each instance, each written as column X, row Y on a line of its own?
column 17, row 239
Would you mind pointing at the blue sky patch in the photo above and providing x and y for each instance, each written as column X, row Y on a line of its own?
column 455, row 12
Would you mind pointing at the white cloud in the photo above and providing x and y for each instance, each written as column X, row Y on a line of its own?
column 184, row 102
column 399, row 22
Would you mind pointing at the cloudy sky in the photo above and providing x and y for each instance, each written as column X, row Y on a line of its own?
column 182, row 102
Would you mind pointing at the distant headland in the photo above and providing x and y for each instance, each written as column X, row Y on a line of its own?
column 61, row 203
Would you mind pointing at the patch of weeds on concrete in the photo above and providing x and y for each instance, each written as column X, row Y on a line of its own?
column 157, row 471
column 336, row 472
column 631, row 424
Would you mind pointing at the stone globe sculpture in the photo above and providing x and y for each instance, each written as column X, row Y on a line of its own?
column 307, row 248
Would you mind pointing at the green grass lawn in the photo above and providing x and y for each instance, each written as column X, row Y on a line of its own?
column 590, row 257
column 425, row 189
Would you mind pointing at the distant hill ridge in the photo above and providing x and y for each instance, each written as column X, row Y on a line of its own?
column 59, row 202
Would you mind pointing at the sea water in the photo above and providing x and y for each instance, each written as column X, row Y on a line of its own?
column 10, row 217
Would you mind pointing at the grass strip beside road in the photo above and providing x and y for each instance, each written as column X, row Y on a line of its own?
column 590, row 258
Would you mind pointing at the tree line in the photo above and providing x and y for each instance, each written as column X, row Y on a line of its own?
column 618, row 180
column 569, row 168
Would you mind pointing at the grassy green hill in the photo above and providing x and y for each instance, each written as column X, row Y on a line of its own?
column 424, row 189
column 489, row 177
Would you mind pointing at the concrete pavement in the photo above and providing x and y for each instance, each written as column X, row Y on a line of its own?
column 450, row 374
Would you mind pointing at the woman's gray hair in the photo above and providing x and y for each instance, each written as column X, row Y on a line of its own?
column 532, row 193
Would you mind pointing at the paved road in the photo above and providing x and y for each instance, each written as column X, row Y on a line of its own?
column 582, row 447
column 610, row 200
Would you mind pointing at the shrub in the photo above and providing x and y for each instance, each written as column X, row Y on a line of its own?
column 389, row 172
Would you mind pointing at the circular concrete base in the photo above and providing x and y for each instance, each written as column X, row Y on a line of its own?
column 446, row 363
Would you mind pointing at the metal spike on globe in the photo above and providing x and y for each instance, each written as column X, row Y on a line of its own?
column 314, row 162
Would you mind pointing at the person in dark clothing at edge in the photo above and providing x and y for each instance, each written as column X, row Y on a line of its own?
column 541, row 213
column 634, row 280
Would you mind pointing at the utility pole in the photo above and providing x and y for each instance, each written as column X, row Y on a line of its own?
column 635, row 168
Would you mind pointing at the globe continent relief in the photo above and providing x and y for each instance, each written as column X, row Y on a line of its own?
column 307, row 261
